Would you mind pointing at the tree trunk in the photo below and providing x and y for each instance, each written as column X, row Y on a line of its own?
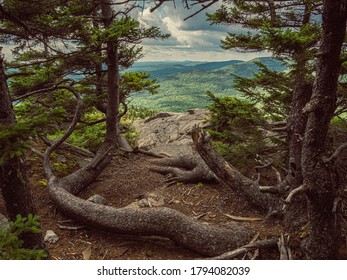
column 112, row 111
column 113, row 83
column 319, row 178
column 14, row 182
column 296, row 214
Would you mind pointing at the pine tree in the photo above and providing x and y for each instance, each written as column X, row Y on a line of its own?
column 291, row 31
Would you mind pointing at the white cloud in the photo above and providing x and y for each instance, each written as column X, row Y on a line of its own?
column 192, row 39
column 159, row 53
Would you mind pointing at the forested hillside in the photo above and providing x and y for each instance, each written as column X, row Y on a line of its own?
column 183, row 85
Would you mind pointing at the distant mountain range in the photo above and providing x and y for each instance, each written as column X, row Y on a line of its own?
column 183, row 84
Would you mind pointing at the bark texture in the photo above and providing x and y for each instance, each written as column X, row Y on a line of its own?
column 296, row 214
column 14, row 182
column 319, row 177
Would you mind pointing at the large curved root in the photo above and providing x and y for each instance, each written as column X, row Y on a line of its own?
column 187, row 169
column 204, row 239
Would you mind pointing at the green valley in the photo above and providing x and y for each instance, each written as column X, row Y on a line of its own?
column 183, row 85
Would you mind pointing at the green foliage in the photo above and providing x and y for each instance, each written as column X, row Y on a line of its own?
column 45, row 72
column 88, row 136
column 270, row 90
column 125, row 27
column 290, row 33
column 137, row 81
column 136, row 113
column 14, row 138
column 290, row 41
column 234, row 120
column 11, row 246
column 236, row 128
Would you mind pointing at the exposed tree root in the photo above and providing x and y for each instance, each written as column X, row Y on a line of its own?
column 185, row 231
column 201, row 238
column 188, row 169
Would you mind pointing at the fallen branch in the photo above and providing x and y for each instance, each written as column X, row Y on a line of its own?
column 335, row 155
column 285, row 252
column 70, row 227
column 269, row 189
column 71, row 148
column 261, row 244
column 229, row 175
column 242, row 219
column 295, row 192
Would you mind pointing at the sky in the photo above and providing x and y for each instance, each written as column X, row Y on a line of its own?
column 193, row 39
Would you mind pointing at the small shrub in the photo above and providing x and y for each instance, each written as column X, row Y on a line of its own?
column 236, row 129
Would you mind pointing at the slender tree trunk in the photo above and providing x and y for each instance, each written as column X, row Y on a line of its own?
column 113, row 83
column 296, row 214
column 112, row 116
column 319, row 178
column 14, row 182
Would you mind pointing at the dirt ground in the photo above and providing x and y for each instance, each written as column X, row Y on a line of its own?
column 126, row 180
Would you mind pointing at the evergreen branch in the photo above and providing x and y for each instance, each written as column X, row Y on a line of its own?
column 40, row 91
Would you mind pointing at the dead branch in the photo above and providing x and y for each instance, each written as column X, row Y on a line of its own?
column 242, row 219
column 203, row 7
column 159, row 3
column 37, row 152
column 269, row 189
column 71, row 148
column 70, row 227
column 261, row 244
column 285, row 252
column 229, row 174
column 335, row 155
column 295, row 192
